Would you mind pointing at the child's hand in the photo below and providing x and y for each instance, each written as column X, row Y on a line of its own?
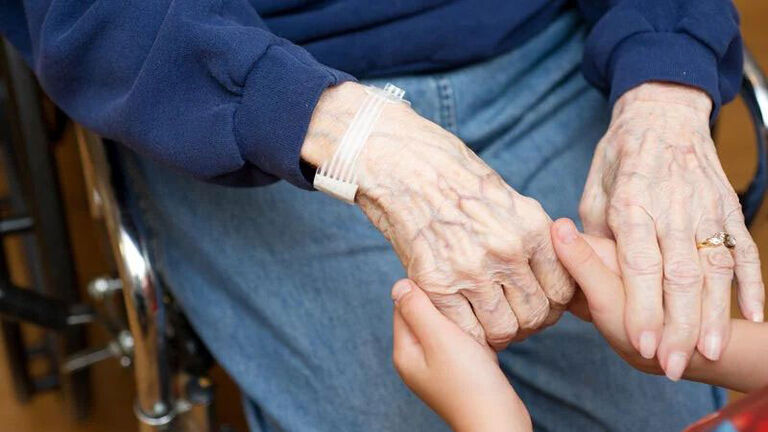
column 450, row 371
column 592, row 263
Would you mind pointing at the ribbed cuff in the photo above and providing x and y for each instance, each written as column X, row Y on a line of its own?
column 278, row 99
column 671, row 57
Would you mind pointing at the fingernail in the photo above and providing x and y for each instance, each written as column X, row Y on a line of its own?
column 400, row 289
column 712, row 345
column 757, row 312
column 648, row 344
column 566, row 232
column 676, row 365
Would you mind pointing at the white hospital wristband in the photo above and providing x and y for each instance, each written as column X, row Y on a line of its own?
column 338, row 176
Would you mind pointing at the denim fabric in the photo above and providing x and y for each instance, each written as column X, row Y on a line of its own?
column 290, row 289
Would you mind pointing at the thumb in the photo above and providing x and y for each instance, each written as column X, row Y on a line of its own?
column 605, row 249
column 602, row 287
column 407, row 353
column 426, row 323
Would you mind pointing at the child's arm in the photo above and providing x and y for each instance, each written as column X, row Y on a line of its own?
column 743, row 365
column 456, row 376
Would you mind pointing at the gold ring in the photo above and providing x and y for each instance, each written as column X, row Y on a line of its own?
column 718, row 239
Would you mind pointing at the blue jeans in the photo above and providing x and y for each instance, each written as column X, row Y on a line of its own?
column 290, row 289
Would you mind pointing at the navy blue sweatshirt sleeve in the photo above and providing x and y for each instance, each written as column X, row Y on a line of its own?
column 691, row 42
column 201, row 85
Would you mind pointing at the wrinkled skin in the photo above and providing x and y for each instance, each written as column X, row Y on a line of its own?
column 477, row 247
column 593, row 263
column 656, row 186
column 480, row 250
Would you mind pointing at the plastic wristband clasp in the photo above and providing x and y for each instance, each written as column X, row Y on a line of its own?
column 338, row 176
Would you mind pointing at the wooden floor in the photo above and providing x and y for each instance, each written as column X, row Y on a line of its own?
column 113, row 386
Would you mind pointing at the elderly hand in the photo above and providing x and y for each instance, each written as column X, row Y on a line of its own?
column 480, row 250
column 657, row 187
column 592, row 263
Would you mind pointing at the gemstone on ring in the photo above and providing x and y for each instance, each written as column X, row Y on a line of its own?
column 718, row 239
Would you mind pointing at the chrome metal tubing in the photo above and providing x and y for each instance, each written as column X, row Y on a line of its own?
column 154, row 404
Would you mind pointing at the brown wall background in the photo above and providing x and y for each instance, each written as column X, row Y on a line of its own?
column 113, row 386
column 735, row 137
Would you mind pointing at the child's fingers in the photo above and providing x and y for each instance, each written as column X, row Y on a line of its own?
column 605, row 250
column 407, row 353
column 425, row 322
column 602, row 287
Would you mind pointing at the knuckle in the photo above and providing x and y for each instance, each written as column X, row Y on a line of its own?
column 499, row 338
column 504, row 330
column 681, row 191
column 523, row 335
column 443, row 302
column 732, row 206
column 585, row 212
column 720, row 262
column 470, row 266
column 535, row 318
column 748, row 254
column 512, row 256
column 538, row 241
column 534, row 210
column 553, row 316
column 614, row 219
column 518, row 283
column 588, row 211
column 562, row 294
column 436, row 283
column 540, row 226
column 642, row 262
column 484, row 298
column 531, row 204
column 626, row 193
column 536, row 233
column 543, row 252
column 475, row 331
column 683, row 273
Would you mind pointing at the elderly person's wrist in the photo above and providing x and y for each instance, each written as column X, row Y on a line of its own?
column 396, row 126
column 690, row 100
column 406, row 150
column 334, row 112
